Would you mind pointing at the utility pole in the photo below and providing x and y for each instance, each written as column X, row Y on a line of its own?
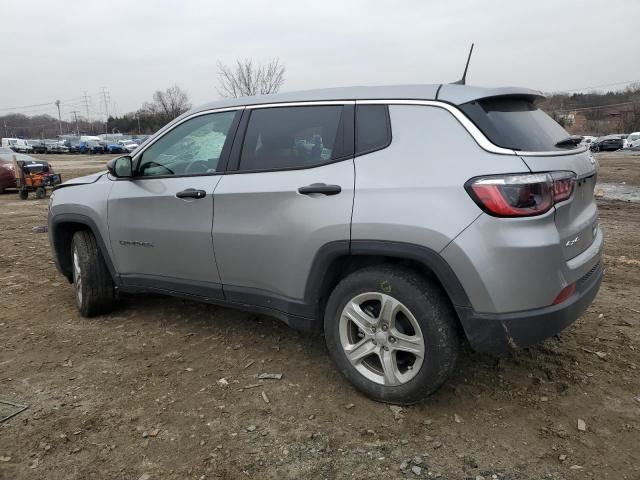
column 75, row 114
column 59, row 119
column 85, row 102
column 138, row 118
column 106, row 97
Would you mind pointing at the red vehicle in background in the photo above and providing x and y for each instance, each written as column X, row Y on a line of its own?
column 7, row 169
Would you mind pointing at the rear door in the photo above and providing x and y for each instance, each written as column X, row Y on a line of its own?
column 288, row 193
column 160, row 221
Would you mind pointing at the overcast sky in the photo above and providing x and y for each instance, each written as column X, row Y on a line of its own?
column 59, row 50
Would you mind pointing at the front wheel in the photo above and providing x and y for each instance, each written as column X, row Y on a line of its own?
column 392, row 333
column 93, row 286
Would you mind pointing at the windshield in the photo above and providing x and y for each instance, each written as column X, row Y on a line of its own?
column 517, row 123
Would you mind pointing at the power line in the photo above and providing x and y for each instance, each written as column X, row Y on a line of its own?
column 599, row 86
column 594, row 107
column 38, row 104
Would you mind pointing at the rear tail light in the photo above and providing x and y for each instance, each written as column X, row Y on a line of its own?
column 521, row 195
column 565, row 294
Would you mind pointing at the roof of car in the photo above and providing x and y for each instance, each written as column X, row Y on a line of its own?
column 451, row 93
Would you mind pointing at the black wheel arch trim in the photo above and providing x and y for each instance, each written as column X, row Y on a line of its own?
column 422, row 255
column 56, row 236
column 328, row 254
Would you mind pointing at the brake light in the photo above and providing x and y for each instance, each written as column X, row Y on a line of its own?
column 521, row 195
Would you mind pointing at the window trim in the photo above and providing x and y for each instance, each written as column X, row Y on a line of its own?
column 482, row 141
column 224, row 154
column 355, row 131
column 347, row 121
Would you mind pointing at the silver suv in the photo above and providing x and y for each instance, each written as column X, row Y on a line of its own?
column 397, row 220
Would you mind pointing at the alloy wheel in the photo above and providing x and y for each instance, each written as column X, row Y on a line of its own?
column 77, row 276
column 381, row 338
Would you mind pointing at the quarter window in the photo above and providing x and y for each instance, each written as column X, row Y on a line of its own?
column 373, row 131
column 192, row 148
column 293, row 137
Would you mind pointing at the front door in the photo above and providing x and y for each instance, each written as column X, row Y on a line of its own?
column 160, row 221
column 291, row 194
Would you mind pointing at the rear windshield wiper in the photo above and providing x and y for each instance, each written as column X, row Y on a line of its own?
column 572, row 140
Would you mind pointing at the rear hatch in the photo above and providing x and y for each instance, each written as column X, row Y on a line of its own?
column 515, row 122
column 576, row 218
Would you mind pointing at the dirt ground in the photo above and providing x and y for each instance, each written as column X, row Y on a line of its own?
column 140, row 394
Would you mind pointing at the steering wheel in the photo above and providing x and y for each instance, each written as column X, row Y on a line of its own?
column 154, row 164
column 199, row 166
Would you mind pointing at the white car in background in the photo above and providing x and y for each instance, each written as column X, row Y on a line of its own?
column 128, row 145
column 587, row 140
column 633, row 140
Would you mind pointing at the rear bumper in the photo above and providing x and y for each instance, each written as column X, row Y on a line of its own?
column 494, row 333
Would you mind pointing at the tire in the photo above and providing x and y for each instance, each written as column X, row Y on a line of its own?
column 423, row 316
column 40, row 193
column 93, row 285
column 23, row 194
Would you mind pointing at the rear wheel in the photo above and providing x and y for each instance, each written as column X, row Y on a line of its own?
column 23, row 194
column 40, row 193
column 392, row 333
column 93, row 286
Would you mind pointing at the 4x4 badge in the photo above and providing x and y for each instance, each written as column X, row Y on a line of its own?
column 571, row 243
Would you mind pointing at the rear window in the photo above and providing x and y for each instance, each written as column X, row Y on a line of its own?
column 516, row 123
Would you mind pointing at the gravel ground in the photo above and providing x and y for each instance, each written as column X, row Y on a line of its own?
column 167, row 388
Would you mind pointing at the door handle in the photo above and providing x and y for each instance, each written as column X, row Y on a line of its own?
column 191, row 193
column 320, row 188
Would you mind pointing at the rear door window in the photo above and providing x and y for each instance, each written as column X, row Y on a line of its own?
column 294, row 137
column 517, row 123
column 373, row 129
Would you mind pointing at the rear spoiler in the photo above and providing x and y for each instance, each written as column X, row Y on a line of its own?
column 459, row 94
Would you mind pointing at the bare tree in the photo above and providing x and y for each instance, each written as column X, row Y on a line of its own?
column 245, row 78
column 169, row 104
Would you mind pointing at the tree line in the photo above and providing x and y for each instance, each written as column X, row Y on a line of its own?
column 603, row 113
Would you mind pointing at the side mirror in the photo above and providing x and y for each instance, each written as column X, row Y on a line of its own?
column 121, row 167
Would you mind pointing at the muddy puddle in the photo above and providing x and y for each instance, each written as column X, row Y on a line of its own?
column 618, row 191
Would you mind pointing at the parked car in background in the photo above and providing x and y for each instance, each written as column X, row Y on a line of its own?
column 608, row 143
column 128, row 145
column 74, row 147
column 114, row 148
column 17, row 145
column 55, row 146
column 37, row 146
column 623, row 136
column 633, row 140
column 91, row 147
column 395, row 222
column 587, row 140
column 7, row 175
column 7, row 172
